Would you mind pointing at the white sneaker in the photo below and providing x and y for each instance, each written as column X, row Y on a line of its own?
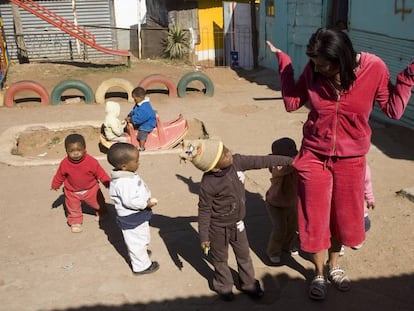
column 342, row 251
column 275, row 259
column 294, row 251
column 76, row 228
column 356, row 247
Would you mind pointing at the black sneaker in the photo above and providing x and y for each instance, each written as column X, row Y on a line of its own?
column 227, row 296
column 154, row 267
column 255, row 294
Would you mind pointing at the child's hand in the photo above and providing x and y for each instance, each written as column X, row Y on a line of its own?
column 206, row 247
column 152, row 202
column 370, row 205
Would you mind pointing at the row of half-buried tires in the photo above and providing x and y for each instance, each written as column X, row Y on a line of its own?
column 55, row 98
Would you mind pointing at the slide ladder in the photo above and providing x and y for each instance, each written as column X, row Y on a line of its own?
column 66, row 26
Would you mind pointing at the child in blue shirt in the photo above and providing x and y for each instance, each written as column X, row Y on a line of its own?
column 142, row 116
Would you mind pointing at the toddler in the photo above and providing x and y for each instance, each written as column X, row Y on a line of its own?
column 113, row 127
column 142, row 116
column 281, row 202
column 221, row 210
column 133, row 205
column 369, row 204
column 80, row 174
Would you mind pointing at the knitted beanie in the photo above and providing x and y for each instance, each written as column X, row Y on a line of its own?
column 203, row 153
column 284, row 146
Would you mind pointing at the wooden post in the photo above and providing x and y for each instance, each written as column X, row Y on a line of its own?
column 22, row 53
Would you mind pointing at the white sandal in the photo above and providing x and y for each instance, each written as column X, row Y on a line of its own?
column 339, row 279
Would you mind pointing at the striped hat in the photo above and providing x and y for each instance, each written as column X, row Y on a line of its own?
column 203, row 153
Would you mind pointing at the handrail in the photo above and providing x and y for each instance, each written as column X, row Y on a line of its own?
column 66, row 26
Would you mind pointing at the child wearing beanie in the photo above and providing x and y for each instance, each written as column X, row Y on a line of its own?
column 281, row 202
column 222, row 209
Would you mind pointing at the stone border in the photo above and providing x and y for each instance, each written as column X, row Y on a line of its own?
column 9, row 137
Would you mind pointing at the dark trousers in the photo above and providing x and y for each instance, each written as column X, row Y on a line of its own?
column 284, row 226
column 220, row 239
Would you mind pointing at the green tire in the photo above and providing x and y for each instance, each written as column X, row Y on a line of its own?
column 79, row 85
column 195, row 76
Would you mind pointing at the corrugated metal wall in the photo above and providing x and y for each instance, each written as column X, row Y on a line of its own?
column 397, row 54
column 46, row 42
column 290, row 29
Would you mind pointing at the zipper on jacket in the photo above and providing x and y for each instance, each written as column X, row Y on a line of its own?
column 338, row 99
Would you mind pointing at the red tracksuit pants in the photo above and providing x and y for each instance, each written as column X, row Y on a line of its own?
column 330, row 200
column 92, row 197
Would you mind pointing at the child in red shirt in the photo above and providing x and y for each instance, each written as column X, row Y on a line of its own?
column 80, row 174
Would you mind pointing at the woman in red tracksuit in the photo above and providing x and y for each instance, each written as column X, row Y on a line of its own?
column 339, row 85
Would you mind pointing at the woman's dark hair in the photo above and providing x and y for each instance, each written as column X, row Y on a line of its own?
column 73, row 139
column 335, row 46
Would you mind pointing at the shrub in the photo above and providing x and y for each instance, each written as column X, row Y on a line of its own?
column 177, row 44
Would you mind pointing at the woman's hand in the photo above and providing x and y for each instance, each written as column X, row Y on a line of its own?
column 272, row 48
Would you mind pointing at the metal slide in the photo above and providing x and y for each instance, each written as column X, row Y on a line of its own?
column 66, row 26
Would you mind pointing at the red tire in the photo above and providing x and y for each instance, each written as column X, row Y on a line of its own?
column 26, row 85
column 158, row 78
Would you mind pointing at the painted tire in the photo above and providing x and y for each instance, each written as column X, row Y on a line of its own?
column 26, row 85
column 157, row 78
column 107, row 84
column 71, row 84
column 192, row 76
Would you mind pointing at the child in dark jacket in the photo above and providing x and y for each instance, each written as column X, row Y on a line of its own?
column 142, row 116
column 222, row 209
column 281, row 202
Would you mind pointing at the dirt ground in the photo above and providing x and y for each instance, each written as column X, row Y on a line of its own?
column 43, row 266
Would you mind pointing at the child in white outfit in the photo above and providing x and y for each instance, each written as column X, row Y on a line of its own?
column 133, row 204
column 113, row 127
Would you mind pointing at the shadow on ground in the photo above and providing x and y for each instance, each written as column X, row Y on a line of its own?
column 96, row 64
column 284, row 292
column 393, row 140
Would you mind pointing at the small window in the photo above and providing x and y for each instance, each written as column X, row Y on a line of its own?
column 270, row 8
